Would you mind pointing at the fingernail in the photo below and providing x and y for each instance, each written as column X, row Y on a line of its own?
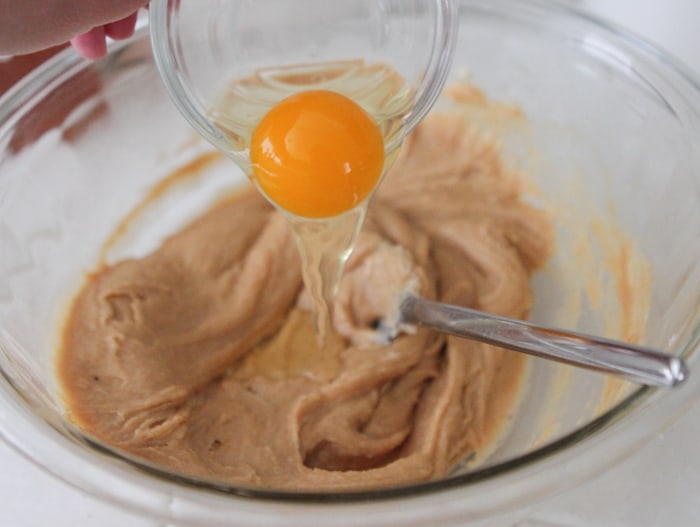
column 91, row 45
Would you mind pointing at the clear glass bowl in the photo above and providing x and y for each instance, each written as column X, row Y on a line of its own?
column 202, row 49
column 608, row 137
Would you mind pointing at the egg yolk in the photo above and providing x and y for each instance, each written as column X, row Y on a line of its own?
column 317, row 154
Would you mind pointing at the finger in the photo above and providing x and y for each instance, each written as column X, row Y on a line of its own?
column 29, row 25
column 121, row 29
column 91, row 45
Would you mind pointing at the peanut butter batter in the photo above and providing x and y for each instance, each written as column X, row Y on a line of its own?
column 201, row 357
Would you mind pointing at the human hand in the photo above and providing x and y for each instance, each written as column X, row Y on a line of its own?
column 31, row 25
column 93, row 44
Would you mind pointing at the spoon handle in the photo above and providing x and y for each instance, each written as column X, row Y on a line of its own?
column 630, row 362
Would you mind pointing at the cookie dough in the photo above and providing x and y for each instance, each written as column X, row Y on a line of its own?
column 201, row 357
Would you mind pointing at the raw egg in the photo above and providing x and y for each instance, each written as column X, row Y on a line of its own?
column 317, row 154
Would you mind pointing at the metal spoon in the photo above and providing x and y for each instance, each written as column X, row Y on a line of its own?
column 633, row 363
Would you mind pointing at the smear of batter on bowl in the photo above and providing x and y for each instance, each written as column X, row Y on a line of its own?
column 201, row 357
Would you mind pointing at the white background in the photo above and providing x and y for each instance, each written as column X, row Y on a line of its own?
column 659, row 485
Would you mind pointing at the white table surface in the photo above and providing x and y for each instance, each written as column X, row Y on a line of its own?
column 659, row 485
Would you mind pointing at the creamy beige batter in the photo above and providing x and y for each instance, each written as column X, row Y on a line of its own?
column 201, row 357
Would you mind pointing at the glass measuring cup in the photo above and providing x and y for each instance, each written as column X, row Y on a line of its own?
column 390, row 56
column 225, row 64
